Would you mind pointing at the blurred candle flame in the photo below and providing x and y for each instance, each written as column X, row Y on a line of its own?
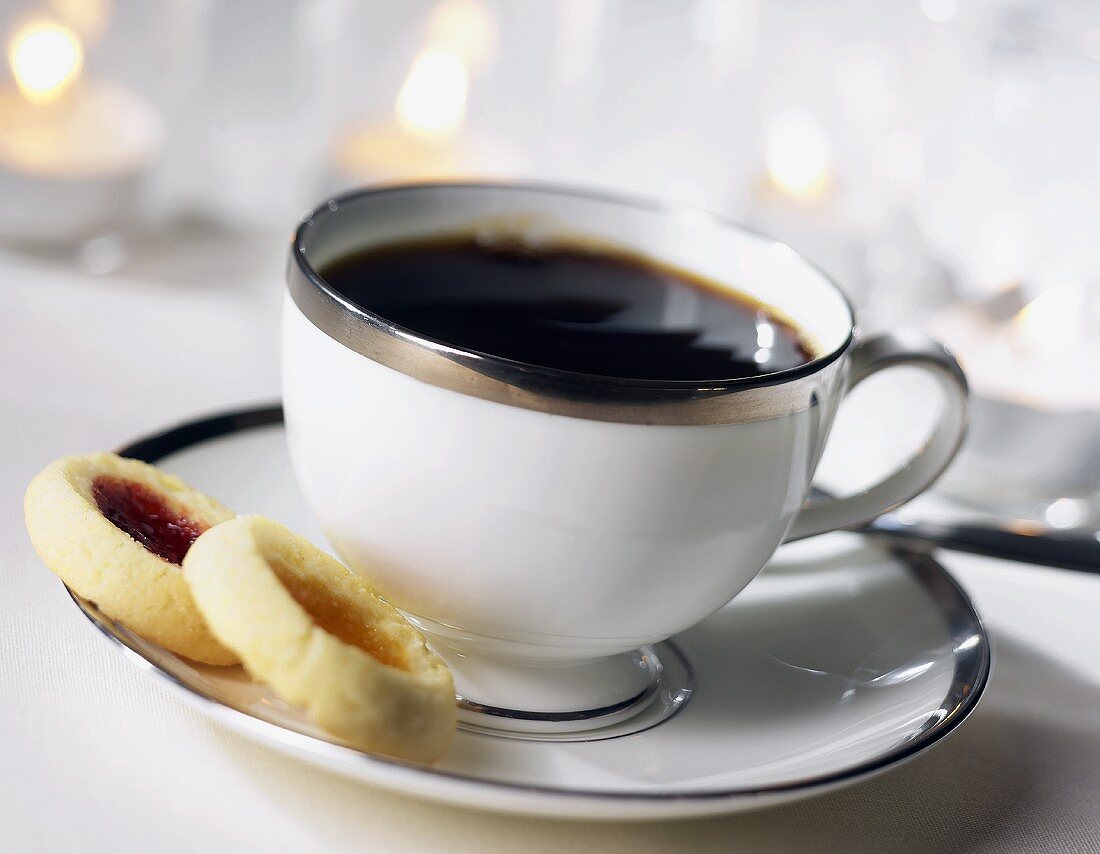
column 89, row 18
column 466, row 29
column 45, row 59
column 1049, row 324
column 798, row 155
column 432, row 100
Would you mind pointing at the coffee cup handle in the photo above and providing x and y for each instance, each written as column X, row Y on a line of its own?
column 871, row 355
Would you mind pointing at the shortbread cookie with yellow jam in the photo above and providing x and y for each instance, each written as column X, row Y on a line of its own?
column 310, row 628
column 116, row 530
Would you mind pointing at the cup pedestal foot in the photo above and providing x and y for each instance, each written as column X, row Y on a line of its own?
column 568, row 701
column 496, row 694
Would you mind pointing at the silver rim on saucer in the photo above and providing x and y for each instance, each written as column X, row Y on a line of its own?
column 968, row 637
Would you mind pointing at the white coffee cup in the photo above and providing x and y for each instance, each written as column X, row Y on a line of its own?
column 542, row 526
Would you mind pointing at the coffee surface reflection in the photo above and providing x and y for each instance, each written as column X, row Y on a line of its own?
column 572, row 307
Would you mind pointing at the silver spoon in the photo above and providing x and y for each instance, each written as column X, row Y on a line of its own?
column 1076, row 548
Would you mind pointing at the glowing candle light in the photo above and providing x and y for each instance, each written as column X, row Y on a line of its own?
column 45, row 59
column 71, row 149
column 432, row 99
column 464, row 28
column 420, row 142
column 426, row 136
column 1049, row 325
column 798, row 156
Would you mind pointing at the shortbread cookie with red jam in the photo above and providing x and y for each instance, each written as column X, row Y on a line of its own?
column 310, row 628
column 116, row 531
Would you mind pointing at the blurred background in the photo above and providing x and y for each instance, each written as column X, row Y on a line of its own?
column 937, row 157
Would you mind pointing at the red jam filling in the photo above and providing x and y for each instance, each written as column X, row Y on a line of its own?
column 143, row 514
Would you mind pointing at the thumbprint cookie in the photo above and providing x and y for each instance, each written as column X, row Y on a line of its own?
column 116, row 531
column 310, row 628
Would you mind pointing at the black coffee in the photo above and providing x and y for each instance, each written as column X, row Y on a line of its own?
column 569, row 307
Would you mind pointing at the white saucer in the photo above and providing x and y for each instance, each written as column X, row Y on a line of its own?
column 838, row 662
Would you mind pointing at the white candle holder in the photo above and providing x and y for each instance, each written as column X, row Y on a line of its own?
column 75, row 147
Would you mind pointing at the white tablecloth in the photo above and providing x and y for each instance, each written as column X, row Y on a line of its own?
column 96, row 756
